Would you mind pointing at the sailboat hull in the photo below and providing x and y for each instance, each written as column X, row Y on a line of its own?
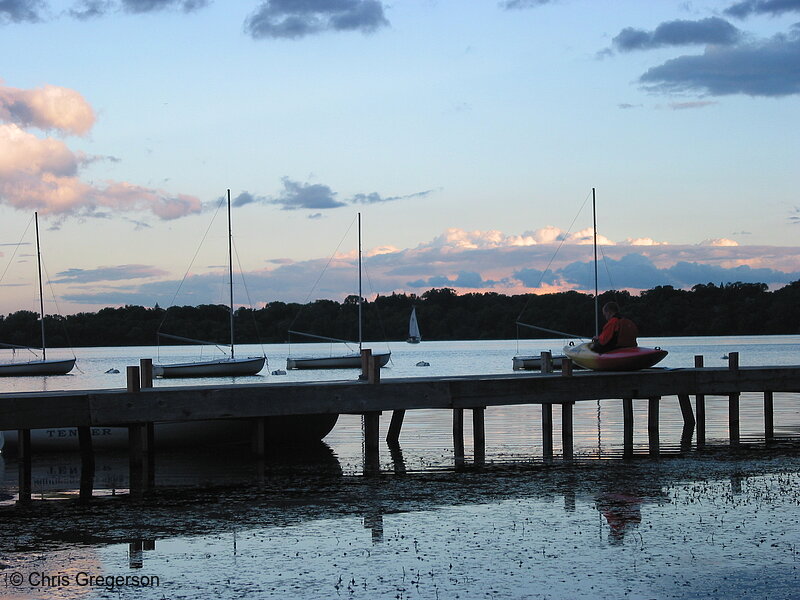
column 212, row 368
column 621, row 359
column 37, row 367
column 349, row 361
column 280, row 431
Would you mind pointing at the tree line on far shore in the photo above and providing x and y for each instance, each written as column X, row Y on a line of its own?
column 706, row 309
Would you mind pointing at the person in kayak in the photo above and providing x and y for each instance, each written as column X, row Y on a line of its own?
column 618, row 332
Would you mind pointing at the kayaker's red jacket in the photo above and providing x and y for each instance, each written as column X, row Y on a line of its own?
column 618, row 332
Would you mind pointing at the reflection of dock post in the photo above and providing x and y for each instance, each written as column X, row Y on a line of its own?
column 479, row 434
column 769, row 423
column 547, row 430
column 458, row 435
column 87, row 463
column 733, row 402
column 700, row 408
column 566, row 430
column 24, row 460
column 627, row 427
column 652, row 424
column 371, row 423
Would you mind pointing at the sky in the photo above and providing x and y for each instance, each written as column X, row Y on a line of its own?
column 468, row 134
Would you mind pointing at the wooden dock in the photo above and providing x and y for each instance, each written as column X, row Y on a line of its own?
column 140, row 406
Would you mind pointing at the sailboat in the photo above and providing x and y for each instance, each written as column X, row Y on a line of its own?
column 413, row 328
column 343, row 361
column 43, row 366
column 619, row 359
column 223, row 367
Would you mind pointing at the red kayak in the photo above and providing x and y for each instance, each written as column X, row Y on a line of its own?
column 621, row 359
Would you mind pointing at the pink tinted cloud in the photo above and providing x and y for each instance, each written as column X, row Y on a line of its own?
column 43, row 173
column 49, row 107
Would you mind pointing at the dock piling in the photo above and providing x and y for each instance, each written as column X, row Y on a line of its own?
column 547, row 431
column 769, row 423
column 566, row 430
column 458, row 435
column 652, row 425
column 700, row 408
column 371, row 425
column 627, row 426
column 395, row 425
column 479, row 434
column 547, row 361
column 24, row 460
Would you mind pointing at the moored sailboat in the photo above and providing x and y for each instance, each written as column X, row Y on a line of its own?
column 414, row 336
column 223, row 367
column 350, row 360
column 42, row 366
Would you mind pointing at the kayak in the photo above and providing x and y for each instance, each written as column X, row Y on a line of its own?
column 621, row 359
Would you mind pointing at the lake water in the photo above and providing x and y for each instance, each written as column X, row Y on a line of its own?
column 715, row 523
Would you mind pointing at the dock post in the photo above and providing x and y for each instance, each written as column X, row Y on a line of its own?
column 700, row 408
column 733, row 418
column 652, row 424
column 547, row 430
column 371, row 425
column 87, row 463
column 733, row 402
column 479, row 434
column 566, row 430
column 686, row 410
column 396, row 424
column 566, row 367
column 547, row 361
column 24, row 461
column 365, row 355
column 627, row 426
column 134, row 383
column 769, row 415
column 374, row 375
column 458, row 435
column 146, row 373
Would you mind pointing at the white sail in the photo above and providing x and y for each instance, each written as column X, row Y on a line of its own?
column 414, row 336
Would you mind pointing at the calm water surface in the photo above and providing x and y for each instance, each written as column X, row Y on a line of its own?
column 719, row 523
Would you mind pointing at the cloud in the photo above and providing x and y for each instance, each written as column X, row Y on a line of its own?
column 678, row 33
column 766, row 68
column 21, row 11
column 42, row 173
column 498, row 266
column 688, row 105
column 89, row 9
column 290, row 19
column 49, row 107
column 298, row 195
column 116, row 273
column 746, row 8
column 520, row 4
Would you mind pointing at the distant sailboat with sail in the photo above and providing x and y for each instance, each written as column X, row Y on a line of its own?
column 220, row 367
column 350, row 360
column 413, row 328
column 43, row 366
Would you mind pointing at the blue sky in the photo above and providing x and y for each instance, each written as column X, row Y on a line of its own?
column 468, row 134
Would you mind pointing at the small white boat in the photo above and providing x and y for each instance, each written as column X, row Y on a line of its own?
column 413, row 328
column 43, row 366
column 346, row 361
column 534, row 363
column 223, row 367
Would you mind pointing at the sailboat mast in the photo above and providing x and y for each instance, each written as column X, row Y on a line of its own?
column 596, row 293
column 359, row 283
column 230, row 266
column 41, row 294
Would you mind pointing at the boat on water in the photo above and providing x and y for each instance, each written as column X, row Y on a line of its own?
column 284, row 431
column 414, row 336
column 222, row 367
column 620, row 359
column 43, row 365
column 350, row 360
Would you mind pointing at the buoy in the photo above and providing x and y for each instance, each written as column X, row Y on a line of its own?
column 422, row 363
column 112, row 370
column 279, row 372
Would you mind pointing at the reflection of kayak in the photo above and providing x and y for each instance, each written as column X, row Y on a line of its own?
column 621, row 359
